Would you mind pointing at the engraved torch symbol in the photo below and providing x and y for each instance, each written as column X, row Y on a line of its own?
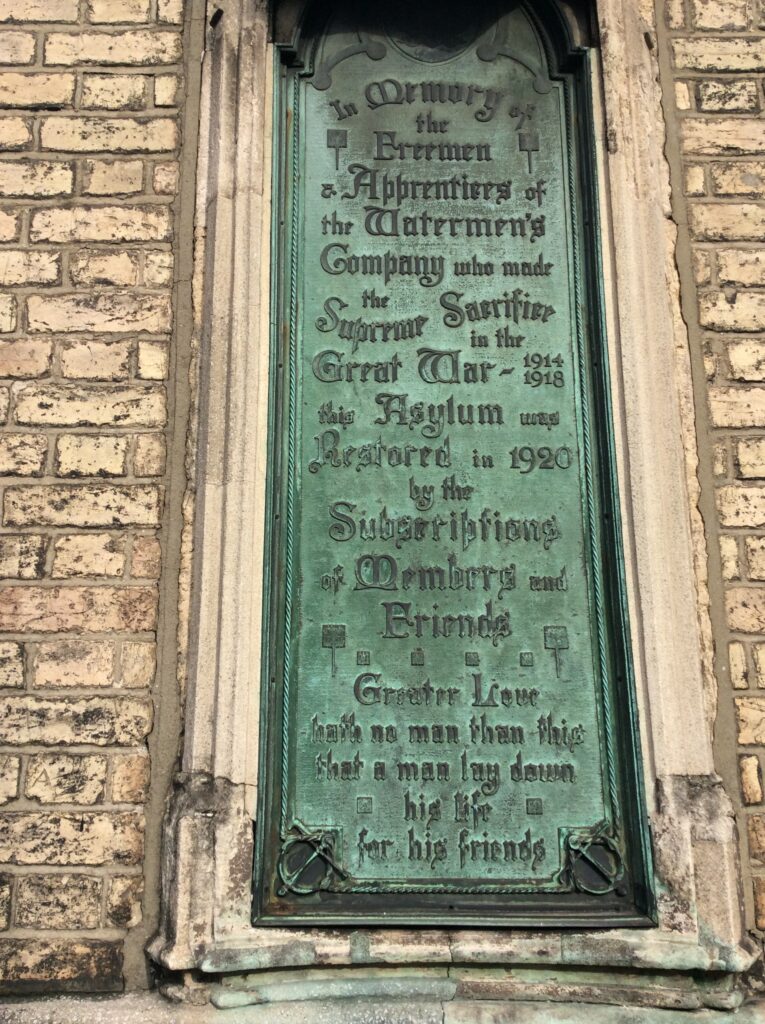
column 333, row 636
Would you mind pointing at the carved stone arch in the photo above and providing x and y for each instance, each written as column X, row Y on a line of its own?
column 208, row 841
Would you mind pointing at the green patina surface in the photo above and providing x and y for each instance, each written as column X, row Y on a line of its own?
column 449, row 699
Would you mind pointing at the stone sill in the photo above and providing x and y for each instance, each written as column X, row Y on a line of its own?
column 150, row 1008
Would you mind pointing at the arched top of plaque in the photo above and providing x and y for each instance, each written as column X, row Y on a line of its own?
column 543, row 37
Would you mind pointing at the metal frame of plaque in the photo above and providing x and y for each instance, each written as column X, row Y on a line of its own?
column 449, row 725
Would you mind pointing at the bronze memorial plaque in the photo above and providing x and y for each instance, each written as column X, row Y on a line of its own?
column 449, row 713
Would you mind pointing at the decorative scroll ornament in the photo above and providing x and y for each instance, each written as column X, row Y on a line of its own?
column 594, row 863
column 307, row 862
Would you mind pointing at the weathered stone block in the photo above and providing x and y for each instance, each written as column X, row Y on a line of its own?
column 32, row 965
column 130, row 778
column 22, row 556
column 49, row 721
column 114, row 92
column 112, row 177
column 87, row 837
column 158, row 269
column 165, row 179
column 750, row 458
column 139, row 663
column 740, row 506
column 39, row 10
column 11, row 664
column 91, row 554
column 29, row 268
column 170, row 11
column 96, row 359
column 80, row 663
column 751, row 779
column 150, row 453
column 146, row 558
column 117, row 11
column 166, row 90
column 756, row 830
column 729, row 559
column 100, row 312
column 10, row 768
column 35, row 179
column 716, row 136
column 746, row 609
column 132, row 47
column 719, row 222
column 91, row 267
column 739, row 671
column 741, row 266
column 10, row 225
column 15, row 133
column 83, row 505
column 755, row 554
column 745, row 178
column 83, row 405
column 22, row 454
column 737, row 407
column 734, row 311
column 91, row 455
column 123, row 901
column 718, row 53
column 24, row 89
column 733, row 95
column 58, row 901
column 750, row 715
column 747, row 360
column 17, row 47
column 8, row 314
column 66, row 778
column 82, row 608
column 109, row 134
column 724, row 15
column 102, row 224
column 153, row 360
column 25, row 357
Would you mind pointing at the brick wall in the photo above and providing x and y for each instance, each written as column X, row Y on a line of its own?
column 89, row 136
column 718, row 59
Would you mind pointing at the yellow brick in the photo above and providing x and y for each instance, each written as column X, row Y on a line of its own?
column 73, row 663
column 166, row 90
column 746, row 609
column 39, row 10
column 29, row 90
column 22, row 556
column 729, row 557
column 87, row 609
column 15, row 132
column 36, row 179
column 109, row 134
column 77, row 405
column 149, row 459
column 17, row 47
column 747, row 360
column 112, row 177
column 130, row 778
column 739, row 673
column 136, row 47
column 725, row 15
column 158, row 269
column 718, row 53
column 25, row 357
column 66, row 778
column 102, row 224
column 10, row 226
column 91, row 267
column 722, row 221
column 152, row 360
column 90, row 505
column 744, row 178
column 715, row 136
column 165, row 179
column 750, row 458
column 28, row 268
column 101, row 312
column 737, row 311
column 739, row 96
column 741, row 506
column 146, row 558
column 751, row 779
column 750, row 713
column 96, row 360
column 11, row 664
column 22, row 454
column 170, row 11
column 139, row 663
column 8, row 314
column 10, row 768
column 113, row 92
column 89, row 554
column 117, row 11
column 91, row 455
